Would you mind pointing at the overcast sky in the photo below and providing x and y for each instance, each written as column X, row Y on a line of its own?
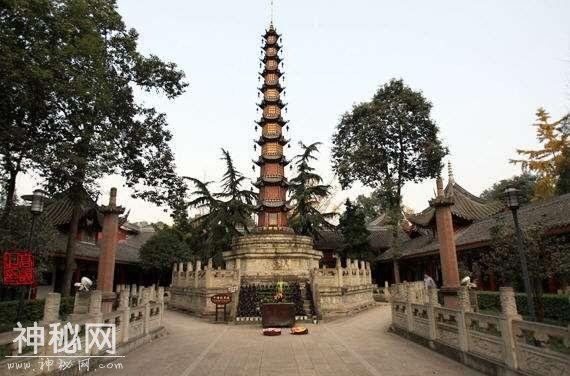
column 485, row 65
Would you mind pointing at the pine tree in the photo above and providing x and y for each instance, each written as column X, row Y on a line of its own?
column 352, row 224
column 307, row 191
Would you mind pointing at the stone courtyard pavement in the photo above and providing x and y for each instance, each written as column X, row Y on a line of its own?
column 358, row 345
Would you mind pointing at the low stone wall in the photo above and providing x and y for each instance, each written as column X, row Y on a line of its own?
column 193, row 286
column 335, row 290
column 343, row 290
column 495, row 345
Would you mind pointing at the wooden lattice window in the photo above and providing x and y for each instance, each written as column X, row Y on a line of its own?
column 272, row 149
column 271, row 51
column 272, row 128
column 271, row 39
column 271, row 64
column 272, row 219
column 271, row 78
column 272, row 112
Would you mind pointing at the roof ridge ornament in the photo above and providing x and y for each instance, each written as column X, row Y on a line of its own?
column 451, row 180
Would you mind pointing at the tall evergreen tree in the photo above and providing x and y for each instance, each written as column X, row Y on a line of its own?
column 352, row 224
column 306, row 191
column 229, row 212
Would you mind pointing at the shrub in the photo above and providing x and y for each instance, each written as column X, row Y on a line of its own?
column 32, row 310
column 556, row 307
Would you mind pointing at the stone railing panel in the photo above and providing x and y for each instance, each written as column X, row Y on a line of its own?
column 542, row 349
column 484, row 335
column 420, row 319
column 447, row 326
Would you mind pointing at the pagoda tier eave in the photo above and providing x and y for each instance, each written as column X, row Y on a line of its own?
column 275, row 71
column 277, row 102
column 273, row 205
column 279, row 138
column 263, row 181
column 265, row 87
column 261, row 122
column 263, row 159
column 266, row 58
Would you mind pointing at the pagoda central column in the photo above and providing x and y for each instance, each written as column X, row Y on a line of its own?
column 447, row 251
column 108, row 249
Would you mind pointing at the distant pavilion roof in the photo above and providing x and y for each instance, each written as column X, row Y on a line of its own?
column 551, row 214
column 466, row 206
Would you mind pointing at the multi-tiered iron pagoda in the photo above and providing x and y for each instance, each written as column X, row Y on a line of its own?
column 272, row 184
column 273, row 250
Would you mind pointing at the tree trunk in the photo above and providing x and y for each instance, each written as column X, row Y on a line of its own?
column 9, row 204
column 71, row 242
column 396, row 270
column 538, row 300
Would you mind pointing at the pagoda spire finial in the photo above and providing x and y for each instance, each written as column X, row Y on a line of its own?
column 450, row 172
column 272, row 8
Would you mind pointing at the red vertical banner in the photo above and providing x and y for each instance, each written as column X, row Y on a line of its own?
column 19, row 268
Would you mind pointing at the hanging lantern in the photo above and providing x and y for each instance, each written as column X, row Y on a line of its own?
column 254, row 147
column 287, row 127
column 289, row 146
column 256, row 128
column 253, row 167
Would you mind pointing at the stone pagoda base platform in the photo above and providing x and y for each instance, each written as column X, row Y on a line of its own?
column 267, row 256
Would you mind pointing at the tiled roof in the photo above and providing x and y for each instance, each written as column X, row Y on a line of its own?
column 127, row 250
column 379, row 240
column 59, row 211
column 466, row 206
column 551, row 214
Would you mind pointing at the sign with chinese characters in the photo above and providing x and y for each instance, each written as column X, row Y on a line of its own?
column 18, row 268
column 221, row 299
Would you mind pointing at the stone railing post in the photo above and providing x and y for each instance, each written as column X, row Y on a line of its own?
column 508, row 314
column 160, row 299
column 198, row 269
column 174, row 274
column 81, row 303
column 339, row 272
column 464, row 302
column 95, row 303
column 432, row 303
column 51, row 316
column 146, row 303
column 189, row 271
column 464, row 305
column 208, row 274
column 410, row 298
column 51, row 308
column 125, row 314
column 180, row 270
